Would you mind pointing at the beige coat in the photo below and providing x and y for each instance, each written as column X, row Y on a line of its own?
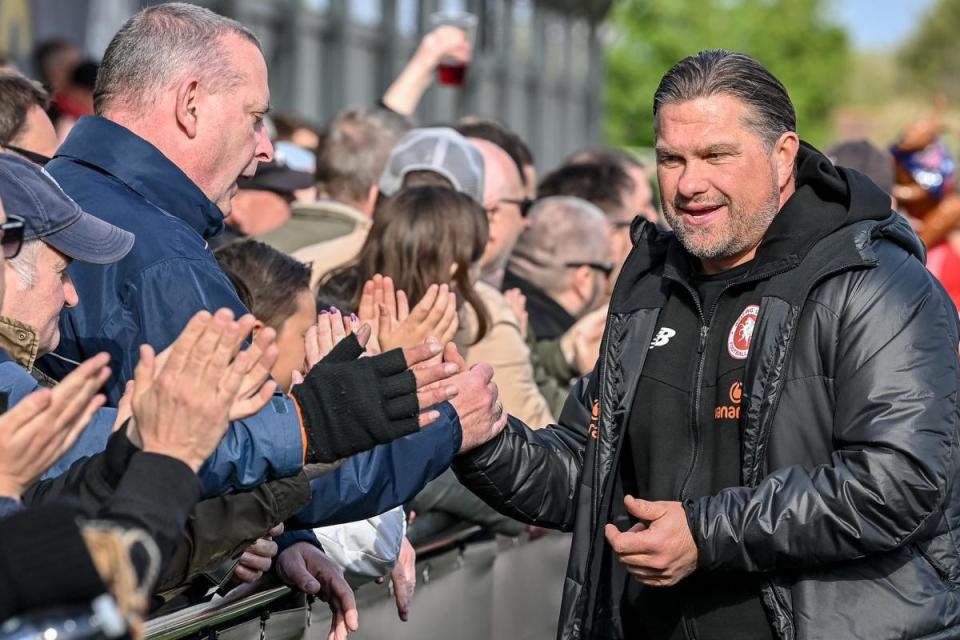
column 507, row 352
column 323, row 234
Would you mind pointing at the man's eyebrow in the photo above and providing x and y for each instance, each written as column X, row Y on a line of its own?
column 720, row 147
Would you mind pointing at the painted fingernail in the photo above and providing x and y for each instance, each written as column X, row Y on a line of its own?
column 354, row 317
column 334, row 310
column 324, row 312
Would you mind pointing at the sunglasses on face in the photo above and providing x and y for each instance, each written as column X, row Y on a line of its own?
column 606, row 268
column 523, row 204
column 11, row 236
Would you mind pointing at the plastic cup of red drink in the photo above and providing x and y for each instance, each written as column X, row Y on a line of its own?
column 452, row 72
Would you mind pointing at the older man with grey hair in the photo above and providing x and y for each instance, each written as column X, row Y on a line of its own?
column 561, row 263
column 180, row 100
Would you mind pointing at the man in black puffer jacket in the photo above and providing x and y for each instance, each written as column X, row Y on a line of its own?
column 777, row 385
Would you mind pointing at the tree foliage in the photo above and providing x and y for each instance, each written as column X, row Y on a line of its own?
column 792, row 38
column 931, row 56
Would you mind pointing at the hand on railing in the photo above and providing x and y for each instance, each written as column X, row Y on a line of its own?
column 304, row 567
column 258, row 557
column 404, row 578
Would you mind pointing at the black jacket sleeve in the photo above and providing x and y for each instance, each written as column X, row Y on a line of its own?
column 894, row 429
column 221, row 528
column 150, row 491
column 89, row 481
column 44, row 560
column 533, row 476
column 156, row 494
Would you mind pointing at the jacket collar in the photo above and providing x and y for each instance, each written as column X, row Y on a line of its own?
column 117, row 151
column 19, row 341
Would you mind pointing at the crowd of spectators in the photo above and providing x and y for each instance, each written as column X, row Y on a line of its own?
column 189, row 283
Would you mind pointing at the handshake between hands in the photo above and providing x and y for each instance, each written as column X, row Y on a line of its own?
column 181, row 401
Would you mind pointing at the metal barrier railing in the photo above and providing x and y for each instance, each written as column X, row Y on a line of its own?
column 241, row 603
column 486, row 587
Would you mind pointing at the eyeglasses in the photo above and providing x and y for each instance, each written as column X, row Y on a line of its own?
column 604, row 267
column 523, row 204
column 32, row 156
column 11, row 236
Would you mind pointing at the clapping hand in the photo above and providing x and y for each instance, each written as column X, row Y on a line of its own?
column 387, row 311
column 45, row 424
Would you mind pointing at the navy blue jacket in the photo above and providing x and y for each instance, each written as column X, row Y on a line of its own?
column 169, row 275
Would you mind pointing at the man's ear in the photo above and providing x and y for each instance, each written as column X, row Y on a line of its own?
column 186, row 106
column 583, row 282
column 786, row 150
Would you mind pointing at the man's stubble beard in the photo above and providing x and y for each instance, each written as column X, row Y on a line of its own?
column 741, row 232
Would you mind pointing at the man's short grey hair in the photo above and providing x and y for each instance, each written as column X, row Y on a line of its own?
column 353, row 151
column 721, row 72
column 25, row 263
column 562, row 229
column 160, row 45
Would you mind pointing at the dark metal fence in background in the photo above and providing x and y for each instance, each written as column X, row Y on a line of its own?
column 538, row 65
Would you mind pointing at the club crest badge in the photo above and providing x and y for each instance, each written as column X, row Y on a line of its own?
column 738, row 342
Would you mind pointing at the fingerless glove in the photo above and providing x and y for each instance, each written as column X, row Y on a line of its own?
column 349, row 405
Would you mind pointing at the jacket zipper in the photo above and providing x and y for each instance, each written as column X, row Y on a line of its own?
column 697, row 382
column 601, row 381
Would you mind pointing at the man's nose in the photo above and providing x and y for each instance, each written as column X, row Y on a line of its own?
column 692, row 181
column 264, row 150
column 70, row 296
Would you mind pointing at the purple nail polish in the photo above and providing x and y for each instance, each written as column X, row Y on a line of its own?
column 354, row 317
column 334, row 310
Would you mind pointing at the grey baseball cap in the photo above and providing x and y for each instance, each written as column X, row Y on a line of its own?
column 438, row 149
column 49, row 214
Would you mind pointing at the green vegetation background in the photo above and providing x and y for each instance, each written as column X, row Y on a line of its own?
column 839, row 93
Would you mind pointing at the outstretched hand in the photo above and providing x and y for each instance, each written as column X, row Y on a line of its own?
column 305, row 567
column 478, row 404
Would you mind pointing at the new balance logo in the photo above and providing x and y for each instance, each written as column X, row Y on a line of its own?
column 663, row 337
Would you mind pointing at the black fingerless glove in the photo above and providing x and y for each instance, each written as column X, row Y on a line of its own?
column 349, row 405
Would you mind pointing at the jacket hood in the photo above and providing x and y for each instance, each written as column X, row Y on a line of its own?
column 827, row 200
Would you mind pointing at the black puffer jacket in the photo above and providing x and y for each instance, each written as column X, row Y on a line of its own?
column 850, row 511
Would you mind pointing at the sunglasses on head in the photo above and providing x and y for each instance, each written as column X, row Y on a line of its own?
column 11, row 236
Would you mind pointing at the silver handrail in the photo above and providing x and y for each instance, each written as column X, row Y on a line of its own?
column 208, row 614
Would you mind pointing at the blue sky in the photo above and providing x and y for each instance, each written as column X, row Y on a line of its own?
column 878, row 24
